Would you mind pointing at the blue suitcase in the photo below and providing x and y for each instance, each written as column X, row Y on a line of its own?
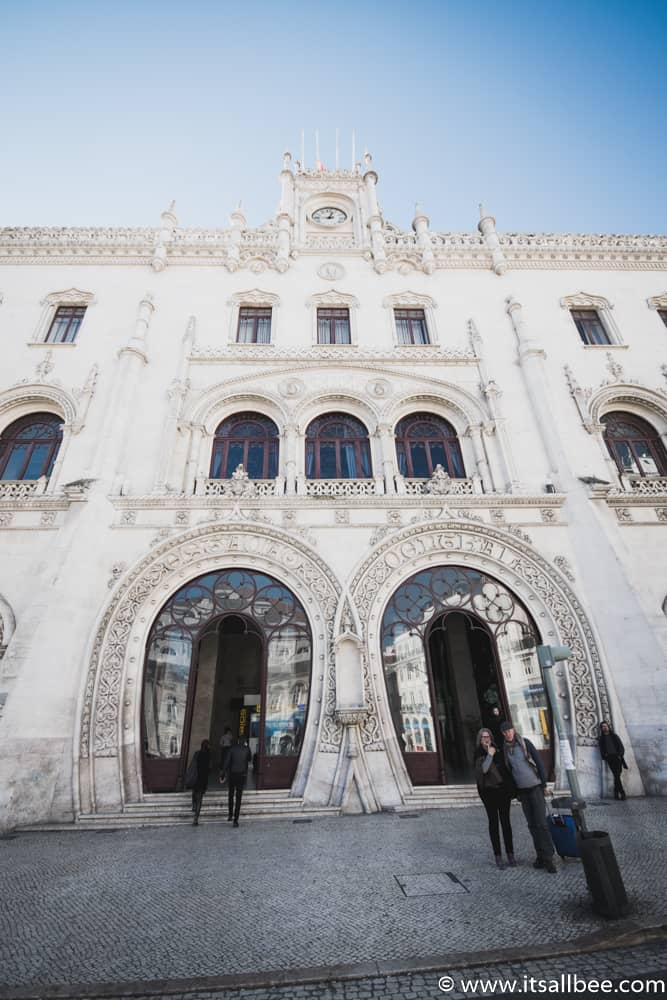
column 564, row 835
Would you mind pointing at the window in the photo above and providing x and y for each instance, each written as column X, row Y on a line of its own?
column 254, row 325
column 337, row 448
column 662, row 313
column 591, row 328
column 29, row 446
column 333, row 326
column 65, row 324
column 247, row 439
column 424, row 441
column 634, row 445
column 411, row 326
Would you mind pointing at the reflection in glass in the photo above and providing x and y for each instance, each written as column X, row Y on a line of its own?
column 408, row 688
column 165, row 692
column 287, row 688
column 526, row 695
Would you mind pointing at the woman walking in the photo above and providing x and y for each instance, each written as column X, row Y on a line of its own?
column 612, row 752
column 495, row 790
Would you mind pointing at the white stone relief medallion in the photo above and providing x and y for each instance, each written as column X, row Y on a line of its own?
column 331, row 271
column 291, row 388
column 380, row 388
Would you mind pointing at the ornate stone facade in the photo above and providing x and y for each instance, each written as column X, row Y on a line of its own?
column 133, row 509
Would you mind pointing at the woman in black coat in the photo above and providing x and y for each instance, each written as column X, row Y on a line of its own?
column 202, row 759
column 613, row 752
column 495, row 790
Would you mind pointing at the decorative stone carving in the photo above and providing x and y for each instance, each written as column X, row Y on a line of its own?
column 563, row 565
column 615, row 368
column 549, row 514
column 44, row 367
column 440, row 482
column 182, row 517
column 117, row 571
column 380, row 388
column 331, row 271
column 623, row 514
column 341, row 353
column 661, row 513
column 498, row 515
column 342, row 516
column 128, row 517
column 48, row 518
column 291, row 388
column 6, row 518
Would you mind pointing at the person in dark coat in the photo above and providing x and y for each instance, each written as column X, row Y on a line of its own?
column 237, row 771
column 203, row 762
column 495, row 790
column 528, row 774
column 612, row 752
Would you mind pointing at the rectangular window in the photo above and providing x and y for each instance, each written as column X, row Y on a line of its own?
column 254, row 326
column 65, row 324
column 333, row 326
column 411, row 326
column 590, row 326
column 662, row 313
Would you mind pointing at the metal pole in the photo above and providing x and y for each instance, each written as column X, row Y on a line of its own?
column 547, row 661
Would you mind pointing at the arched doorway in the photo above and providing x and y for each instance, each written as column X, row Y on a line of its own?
column 229, row 649
column 457, row 645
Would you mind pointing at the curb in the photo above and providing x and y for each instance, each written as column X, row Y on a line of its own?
column 626, row 934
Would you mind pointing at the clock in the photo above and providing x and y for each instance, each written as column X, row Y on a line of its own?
column 329, row 216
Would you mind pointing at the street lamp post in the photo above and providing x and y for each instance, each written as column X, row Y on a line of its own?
column 597, row 854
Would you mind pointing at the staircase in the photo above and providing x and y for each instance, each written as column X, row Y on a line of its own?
column 440, row 797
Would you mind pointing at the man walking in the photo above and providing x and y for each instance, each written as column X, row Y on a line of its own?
column 237, row 771
column 524, row 764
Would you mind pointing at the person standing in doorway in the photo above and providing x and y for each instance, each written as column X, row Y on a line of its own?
column 612, row 752
column 495, row 790
column 237, row 771
column 528, row 774
column 226, row 743
column 202, row 760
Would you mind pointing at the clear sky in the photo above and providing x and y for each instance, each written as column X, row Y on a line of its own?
column 552, row 114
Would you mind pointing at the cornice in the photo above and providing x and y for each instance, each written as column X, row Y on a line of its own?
column 483, row 501
column 345, row 354
column 210, row 247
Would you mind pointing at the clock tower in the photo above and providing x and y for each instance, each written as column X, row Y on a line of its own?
column 331, row 210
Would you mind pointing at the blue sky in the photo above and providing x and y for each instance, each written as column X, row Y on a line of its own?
column 552, row 114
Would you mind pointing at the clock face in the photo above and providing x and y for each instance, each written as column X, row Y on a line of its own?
column 328, row 216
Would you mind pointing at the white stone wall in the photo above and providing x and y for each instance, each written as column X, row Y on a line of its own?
column 144, row 381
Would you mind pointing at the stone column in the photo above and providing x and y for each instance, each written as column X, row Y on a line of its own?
column 420, row 225
column 238, row 222
column 487, row 227
column 388, row 449
column 176, row 393
column 167, row 230
column 284, row 228
column 131, row 360
column 531, row 361
column 196, row 435
column 475, row 433
column 374, row 217
column 290, row 445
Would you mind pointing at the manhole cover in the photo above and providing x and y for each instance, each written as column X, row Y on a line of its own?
column 437, row 884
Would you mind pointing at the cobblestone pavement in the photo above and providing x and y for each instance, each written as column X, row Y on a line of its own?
column 185, row 902
column 618, row 965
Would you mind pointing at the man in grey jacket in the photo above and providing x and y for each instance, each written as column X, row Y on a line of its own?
column 528, row 774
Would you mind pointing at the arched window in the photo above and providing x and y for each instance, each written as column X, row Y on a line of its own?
column 29, row 446
column 247, row 439
column 337, row 448
column 634, row 445
column 424, row 441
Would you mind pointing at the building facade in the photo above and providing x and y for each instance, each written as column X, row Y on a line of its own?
column 325, row 483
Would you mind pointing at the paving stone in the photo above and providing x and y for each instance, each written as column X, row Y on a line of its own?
column 179, row 903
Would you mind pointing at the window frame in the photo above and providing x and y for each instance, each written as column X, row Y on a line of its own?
column 256, row 314
column 449, row 442
column 412, row 316
column 584, row 302
column 251, row 299
column 654, row 442
column 583, row 323
column 70, row 298
column 10, row 433
column 315, row 441
column 408, row 300
column 74, row 320
column 222, row 443
column 335, row 313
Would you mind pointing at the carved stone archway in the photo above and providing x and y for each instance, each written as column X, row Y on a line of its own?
column 451, row 538
column 108, row 751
